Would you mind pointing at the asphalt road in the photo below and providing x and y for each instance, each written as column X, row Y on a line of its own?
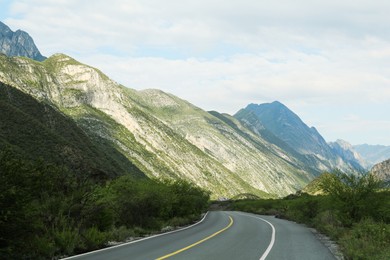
column 225, row 235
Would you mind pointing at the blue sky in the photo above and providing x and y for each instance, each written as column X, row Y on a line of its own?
column 4, row 10
column 329, row 61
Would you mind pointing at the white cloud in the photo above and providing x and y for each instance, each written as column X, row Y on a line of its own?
column 199, row 25
column 223, row 55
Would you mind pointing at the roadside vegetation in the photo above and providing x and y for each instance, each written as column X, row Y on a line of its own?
column 48, row 211
column 353, row 211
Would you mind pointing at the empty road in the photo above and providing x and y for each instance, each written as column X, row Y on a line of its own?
column 225, row 235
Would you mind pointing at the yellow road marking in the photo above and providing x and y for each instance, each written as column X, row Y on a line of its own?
column 197, row 243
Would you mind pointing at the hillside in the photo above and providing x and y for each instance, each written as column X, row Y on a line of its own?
column 382, row 171
column 39, row 131
column 314, row 187
column 279, row 125
column 159, row 133
column 346, row 151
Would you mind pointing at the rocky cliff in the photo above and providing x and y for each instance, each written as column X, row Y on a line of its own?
column 160, row 134
column 382, row 171
column 18, row 43
column 38, row 131
column 346, row 151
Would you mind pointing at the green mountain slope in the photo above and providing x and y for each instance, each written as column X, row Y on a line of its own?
column 224, row 139
column 288, row 127
column 282, row 127
column 39, row 131
column 159, row 133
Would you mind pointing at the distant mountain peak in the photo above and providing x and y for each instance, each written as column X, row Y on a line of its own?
column 18, row 43
column 278, row 103
column 294, row 134
column 277, row 117
column 162, row 135
column 348, row 153
column 343, row 143
column 275, row 103
column 373, row 153
column 4, row 29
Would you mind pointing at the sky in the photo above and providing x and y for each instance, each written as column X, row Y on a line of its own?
column 327, row 60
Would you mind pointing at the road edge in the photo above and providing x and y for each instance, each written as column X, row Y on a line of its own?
column 138, row 240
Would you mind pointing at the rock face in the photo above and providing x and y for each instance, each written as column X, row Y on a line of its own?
column 382, row 171
column 284, row 128
column 288, row 127
column 159, row 133
column 38, row 131
column 346, row 151
column 18, row 43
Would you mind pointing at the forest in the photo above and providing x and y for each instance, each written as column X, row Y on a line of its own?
column 50, row 211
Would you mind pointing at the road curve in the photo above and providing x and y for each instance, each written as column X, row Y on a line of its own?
column 225, row 235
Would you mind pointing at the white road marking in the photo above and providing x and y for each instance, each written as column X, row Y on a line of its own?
column 271, row 244
column 139, row 240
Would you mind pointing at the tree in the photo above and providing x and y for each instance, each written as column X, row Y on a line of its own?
column 353, row 196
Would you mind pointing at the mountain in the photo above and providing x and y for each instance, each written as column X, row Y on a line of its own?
column 288, row 127
column 373, row 153
column 314, row 187
column 162, row 135
column 279, row 125
column 346, row 151
column 38, row 131
column 18, row 43
column 264, row 150
column 382, row 171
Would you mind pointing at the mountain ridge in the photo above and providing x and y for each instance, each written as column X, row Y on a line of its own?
column 348, row 152
column 38, row 131
column 373, row 154
column 18, row 43
column 292, row 134
column 382, row 171
column 289, row 121
column 149, row 128
column 166, row 137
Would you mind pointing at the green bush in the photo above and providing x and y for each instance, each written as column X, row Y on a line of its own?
column 48, row 210
column 328, row 223
column 66, row 240
column 302, row 209
column 92, row 239
column 120, row 233
column 355, row 212
column 42, row 247
column 354, row 197
column 367, row 240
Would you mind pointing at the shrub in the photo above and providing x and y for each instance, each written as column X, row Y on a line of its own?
column 92, row 239
column 121, row 233
column 355, row 212
column 328, row 223
column 47, row 210
column 66, row 240
column 353, row 196
column 367, row 240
